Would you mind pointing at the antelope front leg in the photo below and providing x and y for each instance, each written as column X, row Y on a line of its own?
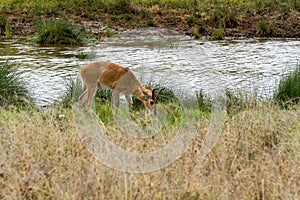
column 82, row 98
column 128, row 100
column 116, row 101
column 91, row 94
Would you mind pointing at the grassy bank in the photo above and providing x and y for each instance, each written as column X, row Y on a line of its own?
column 256, row 157
column 263, row 18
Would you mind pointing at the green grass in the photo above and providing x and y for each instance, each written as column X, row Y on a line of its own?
column 218, row 34
column 59, row 31
column 265, row 29
column 288, row 92
column 13, row 90
column 134, row 6
column 204, row 101
column 5, row 28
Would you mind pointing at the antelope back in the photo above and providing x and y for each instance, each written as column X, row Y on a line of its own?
column 112, row 75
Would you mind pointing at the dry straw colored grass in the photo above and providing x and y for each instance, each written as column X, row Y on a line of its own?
column 256, row 157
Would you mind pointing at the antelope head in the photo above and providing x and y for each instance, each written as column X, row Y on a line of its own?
column 151, row 99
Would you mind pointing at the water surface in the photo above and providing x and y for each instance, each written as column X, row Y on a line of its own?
column 163, row 57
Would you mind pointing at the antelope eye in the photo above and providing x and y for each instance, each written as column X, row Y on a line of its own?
column 151, row 103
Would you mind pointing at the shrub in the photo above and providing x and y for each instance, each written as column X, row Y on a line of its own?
column 59, row 32
column 288, row 91
column 13, row 89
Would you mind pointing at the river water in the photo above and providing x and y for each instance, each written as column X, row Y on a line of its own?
column 160, row 56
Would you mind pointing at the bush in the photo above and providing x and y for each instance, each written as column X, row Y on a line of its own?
column 288, row 91
column 59, row 32
column 13, row 89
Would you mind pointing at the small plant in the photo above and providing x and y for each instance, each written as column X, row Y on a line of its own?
column 73, row 89
column 237, row 101
column 109, row 32
column 231, row 20
column 5, row 28
column 198, row 31
column 218, row 34
column 265, row 29
column 104, row 112
column 197, row 35
column 204, row 101
column 13, row 89
column 119, row 7
column 59, row 32
column 288, row 91
column 85, row 55
column 150, row 21
column 191, row 19
column 126, row 16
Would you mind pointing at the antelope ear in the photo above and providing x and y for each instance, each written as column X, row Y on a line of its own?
column 150, row 87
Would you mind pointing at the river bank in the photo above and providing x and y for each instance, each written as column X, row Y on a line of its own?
column 227, row 19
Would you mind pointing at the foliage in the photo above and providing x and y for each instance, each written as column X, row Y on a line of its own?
column 5, row 28
column 265, row 29
column 13, row 89
column 218, row 34
column 288, row 91
column 238, row 101
column 135, row 6
column 59, row 32
column 204, row 101
column 73, row 89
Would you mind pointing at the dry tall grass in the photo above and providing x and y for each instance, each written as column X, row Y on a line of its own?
column 256, row 157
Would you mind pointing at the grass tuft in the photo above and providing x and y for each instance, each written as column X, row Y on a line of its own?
column 288, row 91
column 59, row 32
column 13, row 89
column 204, row 101
column 218, row 34
column 5, row 28
column 265, row 29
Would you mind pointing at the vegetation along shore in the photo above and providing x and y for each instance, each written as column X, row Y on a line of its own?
column 214, row 18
